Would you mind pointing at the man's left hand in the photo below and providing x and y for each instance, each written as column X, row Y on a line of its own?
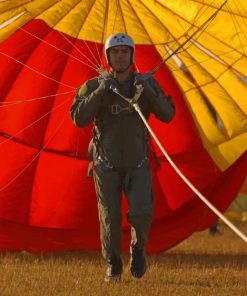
column 144, row 80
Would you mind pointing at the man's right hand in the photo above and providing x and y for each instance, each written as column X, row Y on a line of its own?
column 106, row 84
column 106, row 81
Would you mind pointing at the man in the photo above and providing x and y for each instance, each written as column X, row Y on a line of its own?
column 121, row 150
column 214, row 229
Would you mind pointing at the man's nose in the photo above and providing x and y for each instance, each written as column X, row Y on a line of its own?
column 120, row 54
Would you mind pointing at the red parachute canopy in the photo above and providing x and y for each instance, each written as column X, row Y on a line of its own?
column 46, row 201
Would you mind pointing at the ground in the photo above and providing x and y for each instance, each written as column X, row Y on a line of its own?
column 201, row 265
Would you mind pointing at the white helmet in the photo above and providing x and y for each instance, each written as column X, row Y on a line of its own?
column 117, row 40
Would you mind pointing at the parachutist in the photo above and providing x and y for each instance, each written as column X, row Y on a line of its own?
column 214, row 229
column 121, row 149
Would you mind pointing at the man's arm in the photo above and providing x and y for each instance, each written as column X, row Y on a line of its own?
column 161, row 105
column 89, row 98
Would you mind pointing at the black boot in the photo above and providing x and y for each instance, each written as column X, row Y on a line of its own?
column 138, row 261
column 114, row 270
column 214, row 230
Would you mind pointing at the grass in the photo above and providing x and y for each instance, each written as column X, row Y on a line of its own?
column 201, row 265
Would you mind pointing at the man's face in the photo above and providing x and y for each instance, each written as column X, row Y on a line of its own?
column 120, row 58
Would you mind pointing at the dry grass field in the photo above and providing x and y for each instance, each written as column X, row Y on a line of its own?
column 201, row 265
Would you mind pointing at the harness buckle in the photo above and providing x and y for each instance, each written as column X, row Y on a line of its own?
column 115, row 109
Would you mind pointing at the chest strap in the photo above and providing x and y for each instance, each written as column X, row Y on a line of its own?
column 117, row 109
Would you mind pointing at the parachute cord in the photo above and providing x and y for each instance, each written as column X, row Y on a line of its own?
column 95, row 64
column 156, row 68
column 36, row 71
column 92, row 65
column 219, row 214
column 92, row 29
column 19, row 101
column 199, row 15
column 31, row 124
column 115, row 17
column 236, row 26
column 40, row 151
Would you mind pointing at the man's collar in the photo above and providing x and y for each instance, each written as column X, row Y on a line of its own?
column 128, row 78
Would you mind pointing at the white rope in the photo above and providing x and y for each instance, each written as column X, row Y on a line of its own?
column 35, row 71
column 37, row 120
column 92, row 65
column 203, row 198
column 20, row 101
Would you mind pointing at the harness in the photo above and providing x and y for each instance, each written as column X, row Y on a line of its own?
column 115, row 110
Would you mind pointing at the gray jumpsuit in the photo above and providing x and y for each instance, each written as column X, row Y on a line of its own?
column 121, row 149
